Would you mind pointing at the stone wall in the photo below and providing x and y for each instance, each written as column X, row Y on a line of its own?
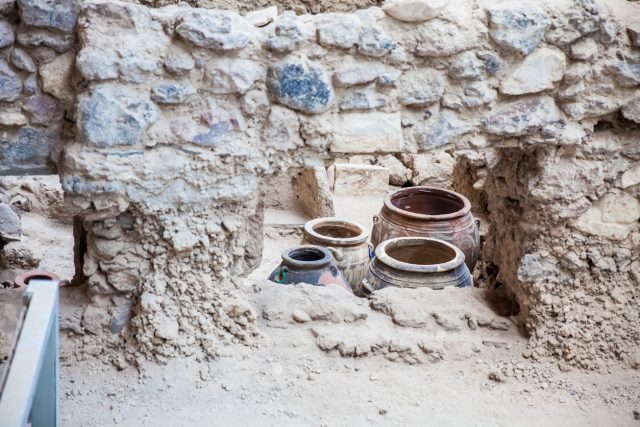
column 180, row 113
column 36, row 95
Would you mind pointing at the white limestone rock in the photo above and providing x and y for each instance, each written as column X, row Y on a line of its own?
column 372, row 132
column 215, row 29
column 631, row 110
column 438, row 38
column 365, row 98
column 630, row 177
column 357, row 179
column 467, row 66
column 262, row 17
column 282, row 130
column 521, row 117
column 234, row 75
column 518, row 27
column 539, row 71
column 421, row 88
column 414, row 10
column 338, row 30
column 399, row 174
column 584, row 50
column 613, row 216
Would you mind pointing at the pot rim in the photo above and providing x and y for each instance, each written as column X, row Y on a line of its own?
column 23, row 279
column 382, row 256
column 309, row 229
column 466, row 208
column 325, row 260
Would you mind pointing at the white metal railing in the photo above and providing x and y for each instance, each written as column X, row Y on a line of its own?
column 29, row 390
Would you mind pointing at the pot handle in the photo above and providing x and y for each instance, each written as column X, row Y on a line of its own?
column 372, row 252
column 337, row 253
column 366, row 287
column 281, row 275
column 376, row 218
column 334, row 271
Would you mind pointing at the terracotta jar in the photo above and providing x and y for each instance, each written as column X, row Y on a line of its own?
column 309, row 264
column 429, row 212
column 23, row 279
column 414, row 262
column 347, row 241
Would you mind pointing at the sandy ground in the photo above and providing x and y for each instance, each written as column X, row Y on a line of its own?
column 288, row 381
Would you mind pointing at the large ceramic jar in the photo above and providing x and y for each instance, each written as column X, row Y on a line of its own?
column 414, row 262
column 348, row 241
column 429, row 212
column 309, row 264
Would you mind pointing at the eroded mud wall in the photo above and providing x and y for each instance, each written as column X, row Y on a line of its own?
column 180, row 112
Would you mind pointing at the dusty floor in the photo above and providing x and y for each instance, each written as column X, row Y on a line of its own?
column 289, row 381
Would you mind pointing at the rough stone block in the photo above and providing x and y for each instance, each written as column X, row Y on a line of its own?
column 349, row 179
column 367, row 133
column 7, row 35
column 613, row 216
column 300, row 84
column 311, row 187
column 59, row 15
column 521, row 117
column 519, row 28
column 414, row 10
column 539, row 71
column 215, row 29
column 10, row 83
column 114, row 114
column 25, row 151
column 56, row 77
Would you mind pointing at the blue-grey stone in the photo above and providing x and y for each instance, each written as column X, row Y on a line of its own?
column 26, row 151
column 121, row 316
column 34, row 37
column 172, row 92
column 492, row 62
column 179, row 63
column 10, row 227
column 521, row 117
column 536, row 267
column 421, row 88
column 626, row 73
column 97, row 64
column 518, row 27
column 374, row 42
column 113, row 115
column 441, row 130
column 363, row 99
column 301, row 85
column 30, row 85
column 214, row 29
column 21, row 59
column 7, row 36
column 136, row 68
column 467, row 66
column 59, row 15
column 42, row 109
column 7, row 6
column 10, row 83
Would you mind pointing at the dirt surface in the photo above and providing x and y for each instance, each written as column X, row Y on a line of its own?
column 324, row 358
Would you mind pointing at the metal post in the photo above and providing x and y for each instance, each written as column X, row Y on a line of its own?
column 30, row 393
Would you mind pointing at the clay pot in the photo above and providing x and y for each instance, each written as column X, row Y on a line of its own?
column 415, row 262
column 347, row 241
column 309, row 264
column 24, row 278
column 429, row 212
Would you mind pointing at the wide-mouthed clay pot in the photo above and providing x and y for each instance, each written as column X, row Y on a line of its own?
column 347, row 241
column 415, row 262
column 429, row 212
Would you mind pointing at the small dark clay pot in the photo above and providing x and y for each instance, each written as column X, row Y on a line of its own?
column 309, row 264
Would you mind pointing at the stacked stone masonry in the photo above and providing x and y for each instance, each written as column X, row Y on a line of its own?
column 163, row 123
